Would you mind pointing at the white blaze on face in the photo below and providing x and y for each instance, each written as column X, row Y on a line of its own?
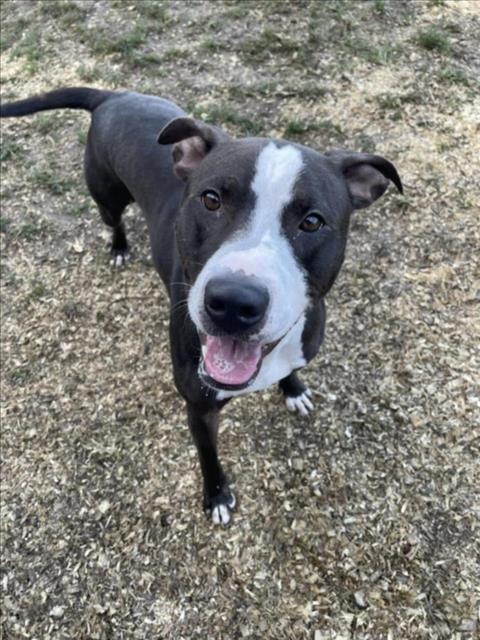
column 261, row 249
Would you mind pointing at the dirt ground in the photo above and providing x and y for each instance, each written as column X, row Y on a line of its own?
column 360, row 522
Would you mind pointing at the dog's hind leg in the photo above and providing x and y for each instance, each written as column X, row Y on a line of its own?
column 119, row 247
column 112, row 198
column 297, row 395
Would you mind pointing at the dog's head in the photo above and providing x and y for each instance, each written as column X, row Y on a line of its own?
column 261, row 234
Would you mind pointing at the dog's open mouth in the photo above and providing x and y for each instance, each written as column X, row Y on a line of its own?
column 229, row 363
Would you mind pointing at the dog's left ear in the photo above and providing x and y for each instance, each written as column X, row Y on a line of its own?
column 192, row 140
column 367, row 176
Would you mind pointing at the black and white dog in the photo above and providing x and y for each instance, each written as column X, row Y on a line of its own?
column 248, row 236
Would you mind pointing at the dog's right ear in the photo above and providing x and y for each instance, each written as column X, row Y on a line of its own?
column 192, row 140
column 367, row 176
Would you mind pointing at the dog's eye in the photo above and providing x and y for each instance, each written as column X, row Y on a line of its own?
column 211, row 200
column 313, row 222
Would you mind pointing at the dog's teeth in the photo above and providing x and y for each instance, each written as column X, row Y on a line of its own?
column 221, row 514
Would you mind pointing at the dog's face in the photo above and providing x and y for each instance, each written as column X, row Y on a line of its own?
column 261, row 234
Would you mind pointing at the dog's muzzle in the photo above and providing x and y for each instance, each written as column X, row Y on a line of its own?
column 236, row 304
column 235, row 308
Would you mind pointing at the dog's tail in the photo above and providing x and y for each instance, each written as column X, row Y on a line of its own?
column 67, row 98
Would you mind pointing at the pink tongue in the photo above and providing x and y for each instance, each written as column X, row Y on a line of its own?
column 229, row 361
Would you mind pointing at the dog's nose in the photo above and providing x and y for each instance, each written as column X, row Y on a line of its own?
column 236, row 303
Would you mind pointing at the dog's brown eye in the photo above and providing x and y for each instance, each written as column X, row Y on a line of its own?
column 211, row 200
column 313, row 222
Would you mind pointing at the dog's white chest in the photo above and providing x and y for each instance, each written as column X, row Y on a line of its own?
column 285, row 358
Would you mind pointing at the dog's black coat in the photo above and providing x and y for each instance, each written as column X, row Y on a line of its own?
column 125, row 163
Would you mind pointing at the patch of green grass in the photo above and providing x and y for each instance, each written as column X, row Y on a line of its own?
column 266, row 87
column 39, row 290
column 51, row 182
column 434, row 40
column 328, row 128
column 213, row 23
column 379, row 6
column 82, row 137
column 242, row 91
column 309, row 90
column 172, row 54
column 154, row 10
column 112, row 76
column 10, row 32
column 387, row 101
column 30, row 48
column 379, row 54
column 79, row 209
column 4, row 224
column 338, row 7
column 125, row 47
column 45, row 123
column 20, row 375
column 269, row 43
column 9, row 149
column 151, row 9
column 73, row 310
column 390, row 101
column 142, row 60
column 28, row 230
column 148, row 59
column 455, row 75
column 296, row 127
column 270, row 88
column 64, row 11
column 236, row 12
column 444, row 146
column 225, row 114
column 277, row 7
column 124, row 44
column 88, row 74
column 212, row 45
column 364, row 143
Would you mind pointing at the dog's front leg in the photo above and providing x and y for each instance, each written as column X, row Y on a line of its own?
column 218, row 499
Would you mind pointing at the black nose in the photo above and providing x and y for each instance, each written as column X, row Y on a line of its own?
column 236, row 303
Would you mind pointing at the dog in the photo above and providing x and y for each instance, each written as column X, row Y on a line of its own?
column 248, row 236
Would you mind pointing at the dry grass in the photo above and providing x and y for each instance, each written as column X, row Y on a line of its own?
column 359, row 523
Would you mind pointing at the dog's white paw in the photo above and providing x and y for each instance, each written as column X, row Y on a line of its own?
column 120, row 259
column 301, row 403
column 221, row 513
